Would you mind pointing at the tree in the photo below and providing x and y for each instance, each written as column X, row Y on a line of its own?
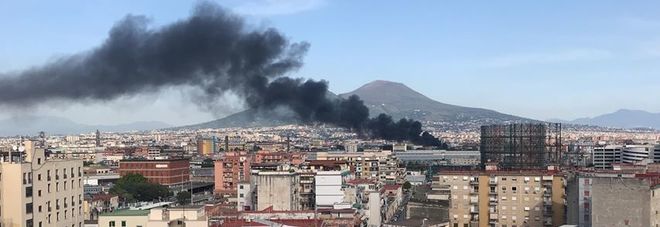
column 135, row 187
column 407, row 186
column 183, row 198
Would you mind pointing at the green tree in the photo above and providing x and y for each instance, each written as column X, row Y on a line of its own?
column 407, row 186
column 135, row 187
column 183, row 198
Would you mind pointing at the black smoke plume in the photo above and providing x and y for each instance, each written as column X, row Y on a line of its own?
column 212, row 50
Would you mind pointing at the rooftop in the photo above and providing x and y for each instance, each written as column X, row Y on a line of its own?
column 127, row 212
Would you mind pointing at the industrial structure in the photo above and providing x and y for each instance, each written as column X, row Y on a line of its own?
column 521, row 146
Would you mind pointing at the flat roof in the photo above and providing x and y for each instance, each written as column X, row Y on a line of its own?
column 126, row 212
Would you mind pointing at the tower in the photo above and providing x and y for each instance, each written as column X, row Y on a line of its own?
column 98, row 138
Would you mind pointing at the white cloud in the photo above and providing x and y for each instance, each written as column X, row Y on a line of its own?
column 520, row 59
column 276, row 7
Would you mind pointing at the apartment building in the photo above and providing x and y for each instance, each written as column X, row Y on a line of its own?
column 381, row 166
column 502, row 198
column 233, row 168
column 38, row 190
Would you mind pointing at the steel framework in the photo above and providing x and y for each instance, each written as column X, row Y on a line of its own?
column 521, row 146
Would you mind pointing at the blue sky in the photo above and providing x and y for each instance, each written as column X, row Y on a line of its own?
column 538, row 59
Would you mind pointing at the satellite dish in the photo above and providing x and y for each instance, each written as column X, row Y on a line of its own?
column 13, row 148
column 21, row 148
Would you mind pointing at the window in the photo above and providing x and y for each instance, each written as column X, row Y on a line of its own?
column 28, row 192
column 39, row 193
column 123, row 223
column 28, row 208
column 39, row 209
column 39, row 177
column 241, row 195
column 48, row 187
column 111, row 224
column 29, row 223
column 39, row 163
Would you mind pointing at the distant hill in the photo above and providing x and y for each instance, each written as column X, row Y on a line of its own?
column 400, row 101
column 247, row 118
column 380, row 96
column 622, row 118
column 32, row 125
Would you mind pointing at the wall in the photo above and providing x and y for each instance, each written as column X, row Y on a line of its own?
column 620, row 202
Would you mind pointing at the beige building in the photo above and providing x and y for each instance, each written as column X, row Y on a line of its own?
column 382, row 166
column 188, row 216
column 655, row 206
column 277, row 189
column 36, row 190
column 502, row 198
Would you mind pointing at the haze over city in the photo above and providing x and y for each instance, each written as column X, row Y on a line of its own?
column 557, row 59
column 314, row 113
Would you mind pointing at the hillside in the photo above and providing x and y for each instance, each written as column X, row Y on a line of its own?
column 380, row 96
column 622, row 118
column 400, row 101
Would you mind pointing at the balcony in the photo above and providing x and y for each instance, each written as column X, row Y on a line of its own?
column 492, row 193
column 474, row 182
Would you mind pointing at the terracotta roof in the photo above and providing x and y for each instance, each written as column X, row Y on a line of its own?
column 360, row 181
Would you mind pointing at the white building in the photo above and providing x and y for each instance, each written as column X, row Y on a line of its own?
column 603, row 157
column 245, row 193
column 328, row 188
column 637, row 153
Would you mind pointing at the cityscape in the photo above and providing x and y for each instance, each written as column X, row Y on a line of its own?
column 299, row 153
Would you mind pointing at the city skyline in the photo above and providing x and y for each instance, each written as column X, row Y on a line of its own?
column 574, row 52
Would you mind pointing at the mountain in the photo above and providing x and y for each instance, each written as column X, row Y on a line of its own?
column 380, row 96
column 399, row 101
column 32, row 125
column 623, row 118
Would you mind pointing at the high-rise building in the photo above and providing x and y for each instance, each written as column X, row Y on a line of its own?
column 233, row 168
column 502, row 198
column 206, row 146
column 37, row 190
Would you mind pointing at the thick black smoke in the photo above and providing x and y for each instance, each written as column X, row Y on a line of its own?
column 212, row 50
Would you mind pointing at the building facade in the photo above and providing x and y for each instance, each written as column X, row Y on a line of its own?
column 328, row 188
column 637, row 153
column 278, row 190
column 234, row 167
column 502, row 198
column 36, row 190
column 168, row 172
column 603, row 157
